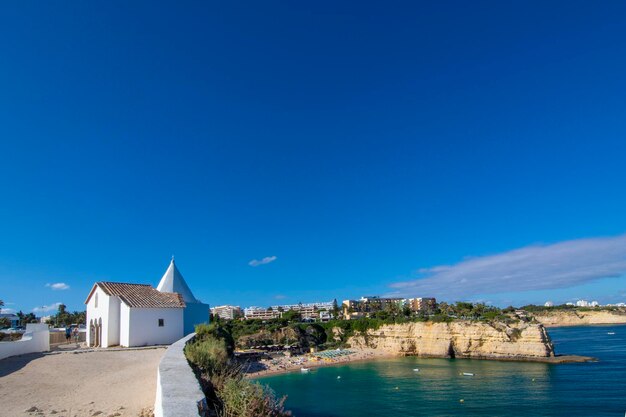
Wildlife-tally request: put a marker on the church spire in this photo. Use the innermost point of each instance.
(173, 281)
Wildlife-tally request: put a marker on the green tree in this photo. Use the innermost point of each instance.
(444, 308)
(20, 316)
(335, 309)
(292, 316)
(79, 317)
(29, 318)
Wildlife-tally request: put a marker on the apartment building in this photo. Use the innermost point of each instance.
(227, 312)
(261, 313)
(422, 304)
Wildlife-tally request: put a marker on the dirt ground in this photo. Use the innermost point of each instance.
(101, 383)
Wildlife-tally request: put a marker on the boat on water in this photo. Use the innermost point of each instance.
(416, 369)
(305, 369)
(468, 374)
(611, 333)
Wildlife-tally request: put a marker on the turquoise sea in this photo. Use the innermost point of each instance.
(391, 388)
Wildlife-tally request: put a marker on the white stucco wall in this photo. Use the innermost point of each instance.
(124, 325)
(144, 330)
(113, 327)
(35, 339)
(101, 312)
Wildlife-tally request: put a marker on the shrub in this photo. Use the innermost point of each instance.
(243, 398)
(222, 380)
(216, 331)
(209, 354)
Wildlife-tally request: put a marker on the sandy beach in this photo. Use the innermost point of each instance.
(279, 365)
(100, 383)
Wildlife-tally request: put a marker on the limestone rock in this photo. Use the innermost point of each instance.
(463, 339)
(577, 318)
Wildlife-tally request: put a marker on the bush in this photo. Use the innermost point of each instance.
(216, 331)
(209, 354)
(243, 398)
(222, 380)
(441, 318)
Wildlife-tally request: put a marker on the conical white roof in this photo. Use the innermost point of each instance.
(173, 281)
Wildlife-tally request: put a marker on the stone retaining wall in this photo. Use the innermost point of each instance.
(178, 390)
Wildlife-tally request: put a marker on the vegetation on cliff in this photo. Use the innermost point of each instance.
(289, 330)
(531, 308)
(227, 392)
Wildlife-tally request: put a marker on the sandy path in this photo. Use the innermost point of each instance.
(119, 383)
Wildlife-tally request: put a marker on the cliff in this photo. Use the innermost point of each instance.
(460, 339)
(558, 318)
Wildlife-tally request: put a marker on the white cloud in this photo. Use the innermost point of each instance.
(537, 267)
(45, 309)
(280, 297)
(263, 261)
(8, 310)
(58, 286)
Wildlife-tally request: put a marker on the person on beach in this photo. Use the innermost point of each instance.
(76, 335)
(68, 334)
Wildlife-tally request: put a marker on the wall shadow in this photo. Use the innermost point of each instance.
(15, 363)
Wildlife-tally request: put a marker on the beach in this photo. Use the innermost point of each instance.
(285, 364)
(96, 383)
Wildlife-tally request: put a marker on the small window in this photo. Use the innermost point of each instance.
(161, 322)
(96, 301)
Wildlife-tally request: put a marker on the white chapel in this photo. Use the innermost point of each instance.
(140, 315)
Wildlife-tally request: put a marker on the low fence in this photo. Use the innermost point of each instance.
(35, 339)
(178, 391)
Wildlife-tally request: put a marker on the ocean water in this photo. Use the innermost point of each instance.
(390, 387)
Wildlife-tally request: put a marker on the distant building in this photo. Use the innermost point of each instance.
(13, 319)
(227, 312)
(422, 305)
(261, 313)
(308, 311)
(368, 304)
(582, 303)
(325, 315)
(549, 304)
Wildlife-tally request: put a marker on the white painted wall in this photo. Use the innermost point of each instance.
(113, 327)
(144, 330)
(124, 325)
(101, 312)
(35, 339)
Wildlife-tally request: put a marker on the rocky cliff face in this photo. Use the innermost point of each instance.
(460, 339)
(579, 318)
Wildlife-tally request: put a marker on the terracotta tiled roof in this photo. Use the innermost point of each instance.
(142, 296)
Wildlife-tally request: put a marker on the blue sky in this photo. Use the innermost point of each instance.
(363, 145)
